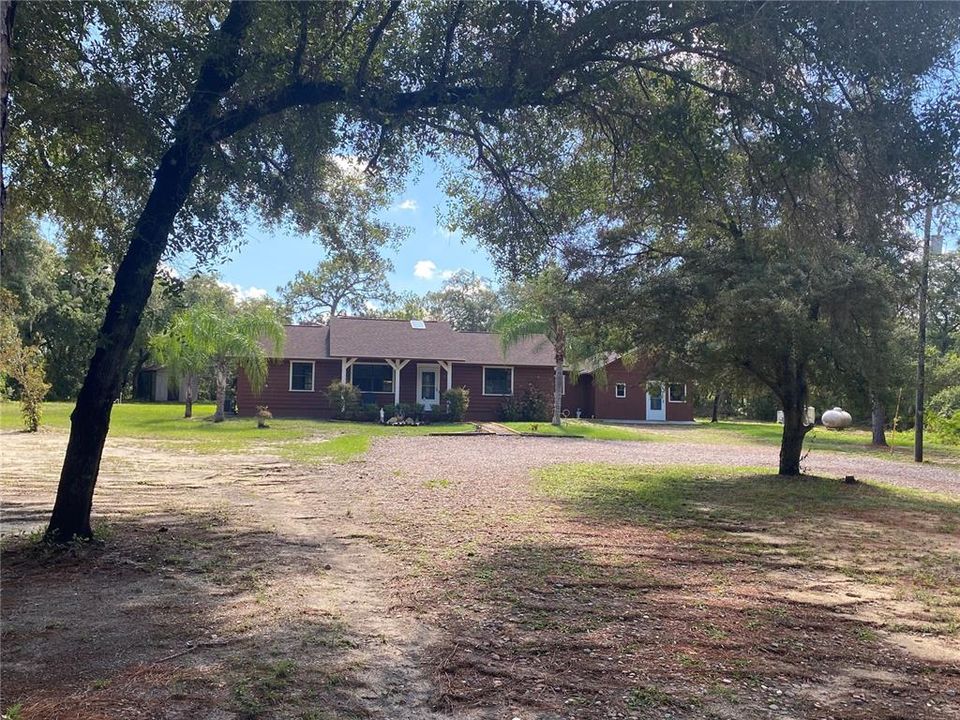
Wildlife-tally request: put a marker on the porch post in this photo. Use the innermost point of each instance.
(397, 366)
(396, 381)
(448, 366)
(345, 365)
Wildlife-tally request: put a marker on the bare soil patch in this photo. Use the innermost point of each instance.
(431, 579)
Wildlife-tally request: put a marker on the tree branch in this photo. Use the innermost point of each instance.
(372, 43)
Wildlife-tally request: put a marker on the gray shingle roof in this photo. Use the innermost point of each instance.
(306, 342)
(370, 337)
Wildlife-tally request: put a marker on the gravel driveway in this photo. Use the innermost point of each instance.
(499, 458)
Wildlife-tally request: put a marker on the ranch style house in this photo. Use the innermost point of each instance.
(414, 361)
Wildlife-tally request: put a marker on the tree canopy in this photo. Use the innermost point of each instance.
(147, 129)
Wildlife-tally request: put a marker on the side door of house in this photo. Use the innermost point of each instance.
(656, 409)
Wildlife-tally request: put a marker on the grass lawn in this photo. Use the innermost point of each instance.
(880, 534)
(591, 430)
(820, 438)
(300, 440)
(585, 590)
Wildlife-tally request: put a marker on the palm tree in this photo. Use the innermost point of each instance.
(542, 311)
(181, 358)
(207, 336)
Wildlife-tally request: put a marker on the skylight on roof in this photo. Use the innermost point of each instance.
(418, 324)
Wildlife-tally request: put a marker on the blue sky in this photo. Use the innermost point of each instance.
(270, 258)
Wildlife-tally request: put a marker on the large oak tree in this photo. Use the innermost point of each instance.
(156, 127)
(745, 218)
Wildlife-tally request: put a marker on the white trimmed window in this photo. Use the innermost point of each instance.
(620, 390)
(677, 393)
(301, 376)
(498, 380)
(372, 377)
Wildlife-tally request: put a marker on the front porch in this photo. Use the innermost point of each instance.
(386, 381)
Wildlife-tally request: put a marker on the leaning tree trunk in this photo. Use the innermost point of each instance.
(8, 9)
(878, 421)
(174, 178)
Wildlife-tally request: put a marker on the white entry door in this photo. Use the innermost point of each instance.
(428, 385)
(656, 410)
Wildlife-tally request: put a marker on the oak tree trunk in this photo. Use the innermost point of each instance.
(716, 407)
(793, 396)
(878, 421)
(173, 180)
(791, 444)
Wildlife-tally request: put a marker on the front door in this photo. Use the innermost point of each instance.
(656, 410)
(428, 385)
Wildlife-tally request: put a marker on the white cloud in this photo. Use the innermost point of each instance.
(428, 270)
(408, 204)
(425, 269)
(241, 293)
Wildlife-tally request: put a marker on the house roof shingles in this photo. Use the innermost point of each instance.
(367, 337)
(306, 342)
(376, 338)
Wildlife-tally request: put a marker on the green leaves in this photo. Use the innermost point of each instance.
(204, 335)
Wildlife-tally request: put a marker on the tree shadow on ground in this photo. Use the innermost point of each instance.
(173, 616)
(663, 595)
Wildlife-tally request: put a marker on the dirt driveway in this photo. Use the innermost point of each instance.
(432, 580)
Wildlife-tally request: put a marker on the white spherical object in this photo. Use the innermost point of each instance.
(836, 418)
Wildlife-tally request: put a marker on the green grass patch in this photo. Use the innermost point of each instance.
(340, 449)
(300, 440)
(584, 428)
(820, 438)
(725, 494)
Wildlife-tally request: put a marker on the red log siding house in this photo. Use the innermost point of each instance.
(402, 361)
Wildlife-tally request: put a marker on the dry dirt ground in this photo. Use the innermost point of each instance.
(434, 579)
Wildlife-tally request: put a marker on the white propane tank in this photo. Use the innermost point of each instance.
(836, 419)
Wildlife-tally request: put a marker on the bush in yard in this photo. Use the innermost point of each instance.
(511, 410)
(263, 414)
(947, 427)
(415, 411)
(535, 404)
(531, 405)
(946, 402)
(345, 399)
(24, 365)
(390, 411)
(456, 401)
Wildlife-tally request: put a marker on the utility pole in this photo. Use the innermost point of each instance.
(922, 337)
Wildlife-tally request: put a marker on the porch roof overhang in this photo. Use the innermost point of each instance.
(394, 356)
